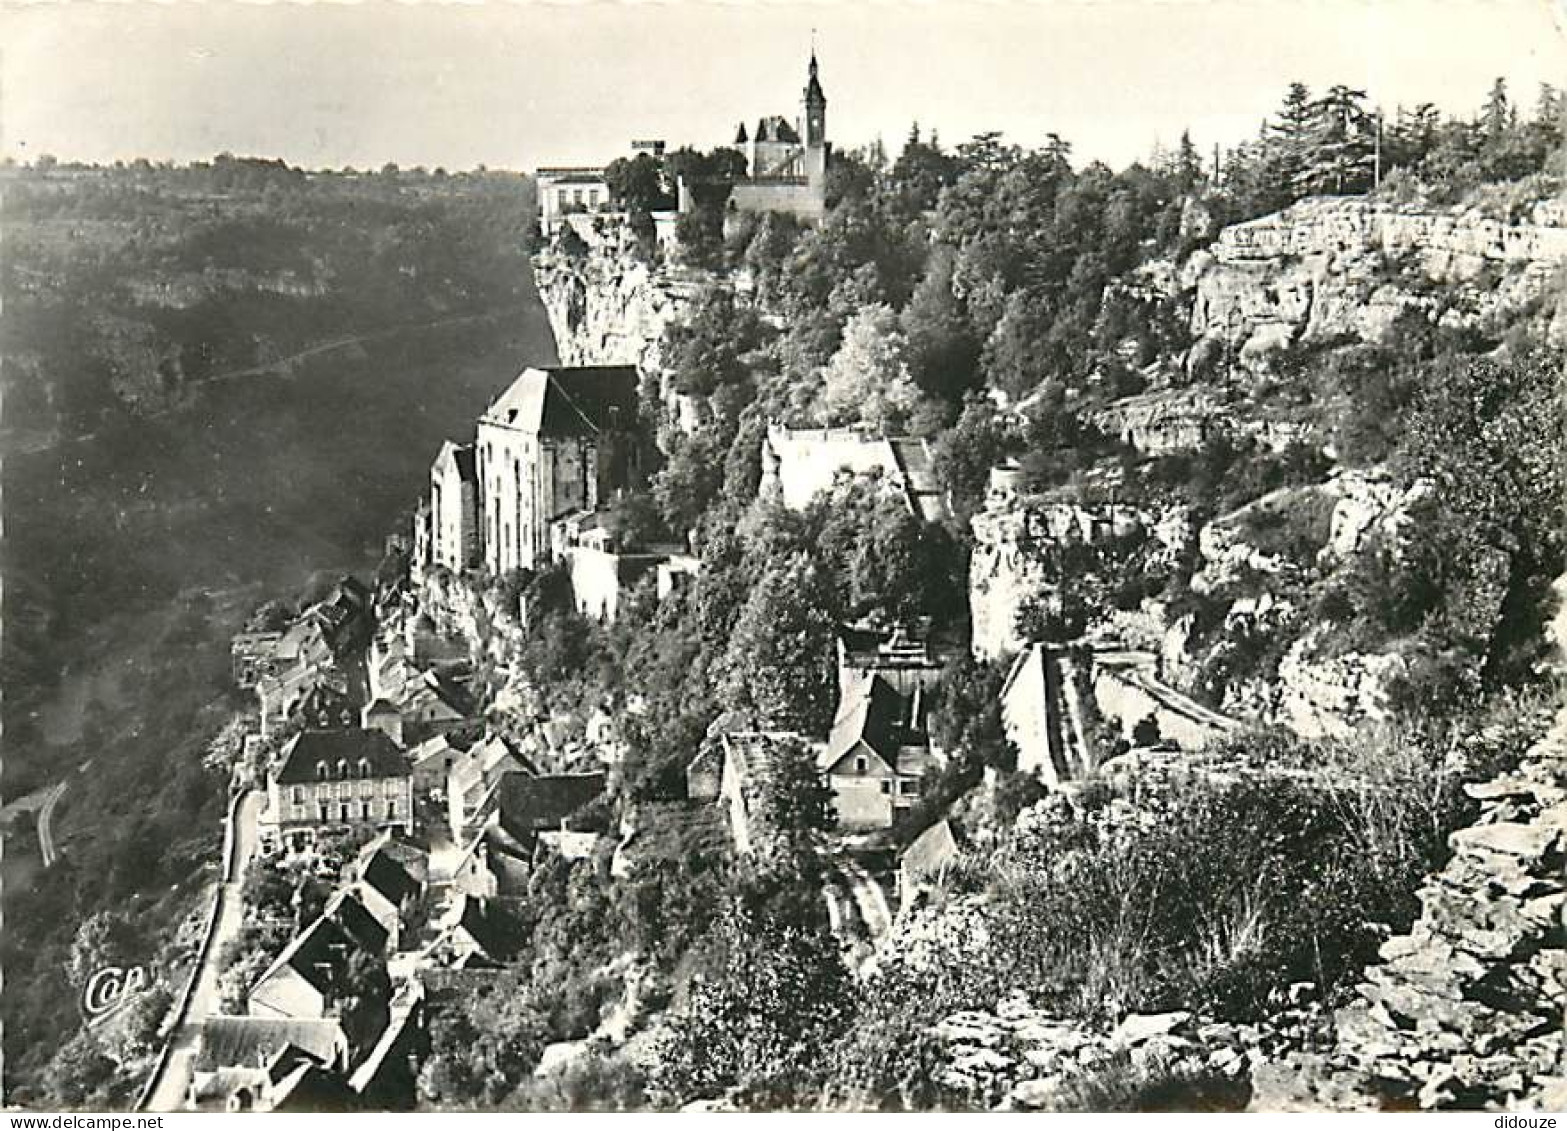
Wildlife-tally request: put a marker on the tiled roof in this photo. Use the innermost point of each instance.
(462, 456)
(316, 755)
(320, 954)
(484, 765)
(475, 920)
(310, 1088)
(530, 804)
(251, 1042)
(388, 876)
(775, 127)
(871, 712)
(931, 850)
(568, 401)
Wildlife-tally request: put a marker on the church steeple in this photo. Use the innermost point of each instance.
(815, 108)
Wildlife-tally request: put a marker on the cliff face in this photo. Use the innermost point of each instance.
(1016, 541)
(610, 308)
(1327, 267)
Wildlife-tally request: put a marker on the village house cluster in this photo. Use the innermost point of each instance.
(372, 742)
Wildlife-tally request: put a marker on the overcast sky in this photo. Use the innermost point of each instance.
(517, 85)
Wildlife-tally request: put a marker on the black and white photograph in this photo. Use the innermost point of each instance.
(731, 557)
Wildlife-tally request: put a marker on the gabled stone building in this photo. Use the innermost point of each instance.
(454, 508)
(877, 754)
(556, 441)
(337, 779)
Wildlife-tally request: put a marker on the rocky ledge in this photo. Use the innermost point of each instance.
(1019, 1058)
(1466, 1010)
(1328, 266)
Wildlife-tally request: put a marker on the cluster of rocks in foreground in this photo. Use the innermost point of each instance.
(1018, 1058)
(1465, 1011)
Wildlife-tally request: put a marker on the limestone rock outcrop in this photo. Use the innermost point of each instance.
(1015, 537)
(1465, 1011)
(610, 308)
(1333, 697)
(1019, 1058)
(1168, 420)
(1329, 266)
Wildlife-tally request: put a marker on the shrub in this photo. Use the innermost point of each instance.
(1219, 895)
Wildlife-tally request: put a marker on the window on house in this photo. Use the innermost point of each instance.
(342, 813)
(391, 806)
(364, 768)
(321, 811)
(364, 810)
(862, 764)
(886, 786)
(299, 795)
(342, 767)
(321, 770)
(908, 788)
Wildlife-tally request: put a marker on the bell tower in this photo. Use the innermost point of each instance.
(815, 127)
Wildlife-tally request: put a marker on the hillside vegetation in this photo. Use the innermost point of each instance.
(220, 382)
(999, 301)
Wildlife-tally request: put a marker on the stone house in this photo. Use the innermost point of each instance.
(309, 692)
(278, 696)
(241, 1061)
(747, 755)
(567, 190)
(389, 879)
(470, 935)
(454, 508)
(382, 715)
(251, 655)
(602, 573)
(877, 753)
(473, 873)
(326, 705)
(473, 782)
(310, 978)
(431, 704)
(347, 617)
(556, 441)
(431, 762)
(336, 779)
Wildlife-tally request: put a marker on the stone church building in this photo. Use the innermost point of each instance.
(558, 441)
(787, 160)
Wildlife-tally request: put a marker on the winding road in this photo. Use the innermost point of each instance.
(167, 1091)
(40, 803)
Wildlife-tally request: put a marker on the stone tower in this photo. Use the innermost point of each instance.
(815, 129)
